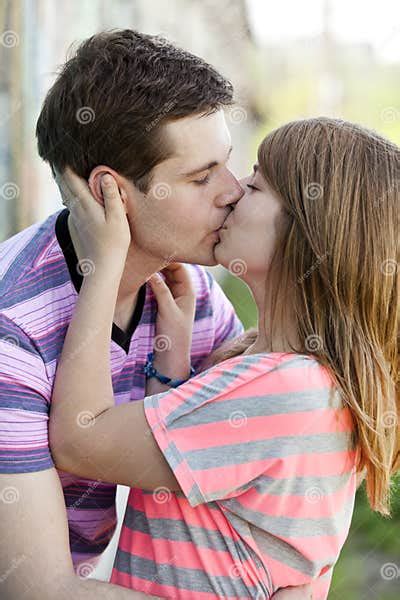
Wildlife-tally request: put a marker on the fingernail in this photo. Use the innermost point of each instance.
(106, 179)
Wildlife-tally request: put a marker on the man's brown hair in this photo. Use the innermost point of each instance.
(111, 99)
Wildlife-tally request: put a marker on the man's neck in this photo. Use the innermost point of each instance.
(138, 269)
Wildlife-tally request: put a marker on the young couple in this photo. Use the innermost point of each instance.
(244, 468)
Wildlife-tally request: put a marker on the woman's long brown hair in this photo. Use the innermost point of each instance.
(336, 267)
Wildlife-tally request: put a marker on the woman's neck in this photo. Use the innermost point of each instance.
(282, 337)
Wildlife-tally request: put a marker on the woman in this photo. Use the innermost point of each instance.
(243, 478)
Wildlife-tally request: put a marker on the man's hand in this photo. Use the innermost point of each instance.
(301, 592)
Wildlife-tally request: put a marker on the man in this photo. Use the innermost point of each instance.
(152, 115)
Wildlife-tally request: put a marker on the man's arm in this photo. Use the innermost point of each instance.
(35, 558)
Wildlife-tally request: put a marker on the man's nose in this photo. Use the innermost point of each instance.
(232, 196)
(244, 181)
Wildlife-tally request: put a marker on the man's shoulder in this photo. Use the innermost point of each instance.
(25, 251)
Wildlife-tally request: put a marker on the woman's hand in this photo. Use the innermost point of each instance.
(301, 592)
(176, 299)
(104, 231)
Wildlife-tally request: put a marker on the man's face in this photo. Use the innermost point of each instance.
(190, 195)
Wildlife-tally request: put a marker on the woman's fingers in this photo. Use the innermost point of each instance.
(301, 592)
(68, 198)
(77, 186)
(178, 277)
(161, 290)
(113, 204)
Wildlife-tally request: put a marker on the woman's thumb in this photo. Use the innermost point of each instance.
(160, 288)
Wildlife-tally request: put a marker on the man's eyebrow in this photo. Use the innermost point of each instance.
(206, 167)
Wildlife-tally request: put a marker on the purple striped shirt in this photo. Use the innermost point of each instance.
(39, 287)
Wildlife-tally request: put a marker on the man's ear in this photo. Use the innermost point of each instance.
(95, 187)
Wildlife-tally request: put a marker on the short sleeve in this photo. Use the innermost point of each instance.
(25, 393)
(209, 428)
(227, 324)
(269, 439)
(225, 427)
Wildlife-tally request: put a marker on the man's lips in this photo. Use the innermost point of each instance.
(223, 224)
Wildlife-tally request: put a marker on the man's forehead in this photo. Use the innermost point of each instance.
(198, 130)
(198, 141)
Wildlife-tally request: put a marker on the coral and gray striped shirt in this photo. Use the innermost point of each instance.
(40, 281)
(263, 449)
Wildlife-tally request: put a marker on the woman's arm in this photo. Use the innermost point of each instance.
(89, 435)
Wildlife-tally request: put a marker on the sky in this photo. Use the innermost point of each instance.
(375, 22)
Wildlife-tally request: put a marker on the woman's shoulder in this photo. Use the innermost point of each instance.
(288, 377)
(288, 364)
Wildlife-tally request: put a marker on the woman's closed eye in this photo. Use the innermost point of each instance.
(252, 187)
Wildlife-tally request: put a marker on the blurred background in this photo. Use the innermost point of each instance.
(287, 60)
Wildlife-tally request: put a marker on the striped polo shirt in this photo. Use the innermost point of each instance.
(40, 281)
(263, 449)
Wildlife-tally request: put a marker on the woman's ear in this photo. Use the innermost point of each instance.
(94, 183)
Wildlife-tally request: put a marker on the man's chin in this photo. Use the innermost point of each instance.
(203, 262)
(205, 259)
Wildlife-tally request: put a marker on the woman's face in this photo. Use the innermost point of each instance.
(249, 235)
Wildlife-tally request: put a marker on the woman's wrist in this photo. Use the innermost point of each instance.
(175, 369)
(103, 279)
(175, 365)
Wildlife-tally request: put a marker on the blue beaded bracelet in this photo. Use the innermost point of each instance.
(150, 371)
